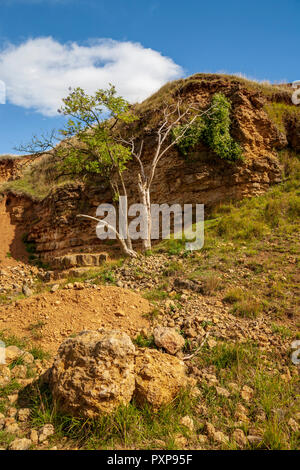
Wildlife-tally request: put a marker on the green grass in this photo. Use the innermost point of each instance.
(127, 427)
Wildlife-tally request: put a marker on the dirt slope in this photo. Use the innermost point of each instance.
(49, 318)
(11, 246)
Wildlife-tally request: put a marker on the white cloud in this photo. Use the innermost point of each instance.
(38, 72)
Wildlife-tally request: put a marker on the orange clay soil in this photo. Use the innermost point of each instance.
(49, 318)
(12, 248)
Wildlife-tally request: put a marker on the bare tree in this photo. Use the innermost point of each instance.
(173, 116)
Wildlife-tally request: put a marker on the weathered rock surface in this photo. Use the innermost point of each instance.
(200, 178)
(94, 372)
(159, 378)
(5, 375)
(169, 339)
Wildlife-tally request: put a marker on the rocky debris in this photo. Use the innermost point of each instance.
(82, 259)
(239, 437)
(5, 375)
(23, 414)
(27, 291)
(20, 444)
(94, 372)
(54, 288)
(46, 431)
(12, 353)
(216, 436)
(186, 284)
(18, 279)
(168, 339)
(187, 422)
(247, 393)
(254, 440)
(159, 378)
(222, 392)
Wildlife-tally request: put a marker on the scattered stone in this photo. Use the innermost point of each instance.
(239, 437)
(19, 372)
(34, 436)
(187, 422)
(12, 353)
(247, 393)
(120, 313)
(11, 412)
(5, 375)
(11, 428)
(214, 435)
(233, 387)
(28, 358)
(20, 444)
(13, 398)
(169, 339)
(23, 414)
(254, 440)
(202, 438)
(180, 441)
(54, 288)
(293, 425)
(46, 431)
(27, 291)
(223, 392)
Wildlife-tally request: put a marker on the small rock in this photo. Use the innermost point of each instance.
(27, 358)
(214, 435)
(12, 428)
(239, 437)
(293, 425)
(233, 387)
(54, 288)
(120, 313)
(5, 375)
(27, 291)
(19, 372)
(180, 441)
(34, 436)
(12, 353)
(11, 412)
(13, 398)
(247, 393)
(202, 438)
(223, 392)
(254, 440)
(23, 414)
(20, 444)
(46, 431)
(187, 422)
(169, 339)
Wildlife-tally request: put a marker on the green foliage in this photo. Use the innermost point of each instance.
(214, 130)
(192, 136)
(96, 148)
(143, 342)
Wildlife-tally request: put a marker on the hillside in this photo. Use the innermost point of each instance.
(262, 121)
(234, 303)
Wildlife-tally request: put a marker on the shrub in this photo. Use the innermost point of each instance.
(214, 130)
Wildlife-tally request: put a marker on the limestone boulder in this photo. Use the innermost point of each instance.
(159, 378)
(93, 373)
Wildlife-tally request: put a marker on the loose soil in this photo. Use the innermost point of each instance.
(47, 319)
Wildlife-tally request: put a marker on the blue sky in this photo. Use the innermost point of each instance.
(47, 45)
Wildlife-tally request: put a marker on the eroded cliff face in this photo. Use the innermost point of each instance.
(200, 178)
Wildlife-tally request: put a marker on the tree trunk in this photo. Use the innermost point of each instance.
(144, 192)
